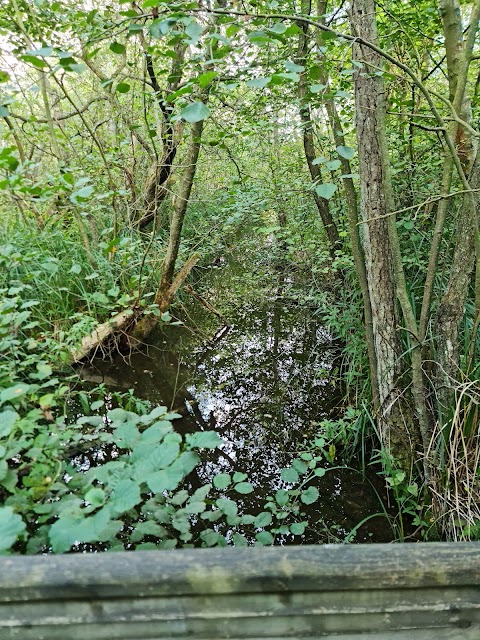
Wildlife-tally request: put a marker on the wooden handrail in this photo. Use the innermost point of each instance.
(425, 591)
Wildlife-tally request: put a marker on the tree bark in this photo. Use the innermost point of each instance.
(375, 208)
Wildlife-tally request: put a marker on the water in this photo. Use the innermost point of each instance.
(262, 378)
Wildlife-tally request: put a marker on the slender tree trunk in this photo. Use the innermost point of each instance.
(376, 207)
(334, 241)
(459, 49)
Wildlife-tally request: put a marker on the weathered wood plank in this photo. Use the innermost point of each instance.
(402, 592)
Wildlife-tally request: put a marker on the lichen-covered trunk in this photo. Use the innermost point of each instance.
(375, 207)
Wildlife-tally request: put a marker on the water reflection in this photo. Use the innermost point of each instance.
(263, 384)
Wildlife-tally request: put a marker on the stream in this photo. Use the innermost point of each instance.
(262, 378)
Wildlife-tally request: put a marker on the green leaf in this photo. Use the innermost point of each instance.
(124, 497)
(244, 487)
(227, 506)
(258, 83)
(37, 62)
(43, 52)
(316, 88)
(165, 480)
(7, 420)
(238, 476)
(332, 165)
(204, 439)
(11, 527)
(281, 497)
(122, 87)
(4, 112)
(346, 152)
(222, 480)
(96, 497)
(326, 190)
(264, 538)
(263, 519)
(298, 528)
(14, 392)
(291, 66)
(194, 31)
(117, 47)
(289, 475)
(310, 495)
(195, 112)
(205, 79)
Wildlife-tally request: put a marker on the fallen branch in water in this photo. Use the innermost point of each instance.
(206, 304)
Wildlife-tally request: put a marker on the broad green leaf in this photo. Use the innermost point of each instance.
(95, 497)
(204, 439)
(14, 392)
(326, 190)
(332, 165)
(122, 87)
(193, 31)
(126, 435)
(7, 420)
(264, 538)
(11, 527)
(298, 528)
(43, 52)
(165, 480)
(4, 112)
(124, 497)
(316, 88)
(281, 497)
(238, 476)
(195, 112)
(263, 519)
(205, 79)
(244, 487)
(227, 506)
(291, 66)
(309, 496)
(117, 47)
(258, 83)
(222, 480)
(289, 475)
(346, 152)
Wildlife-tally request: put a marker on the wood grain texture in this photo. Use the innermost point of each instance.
(381, 592)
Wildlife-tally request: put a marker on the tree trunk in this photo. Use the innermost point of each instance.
(375, 208)
(334, 241)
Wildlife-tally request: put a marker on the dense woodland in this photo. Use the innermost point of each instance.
(142, 143)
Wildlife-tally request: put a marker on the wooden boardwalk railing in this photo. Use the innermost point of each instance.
(362, 592)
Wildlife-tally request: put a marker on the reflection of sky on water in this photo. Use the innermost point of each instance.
(263, 385)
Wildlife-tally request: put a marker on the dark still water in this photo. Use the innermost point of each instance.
(262, 378)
